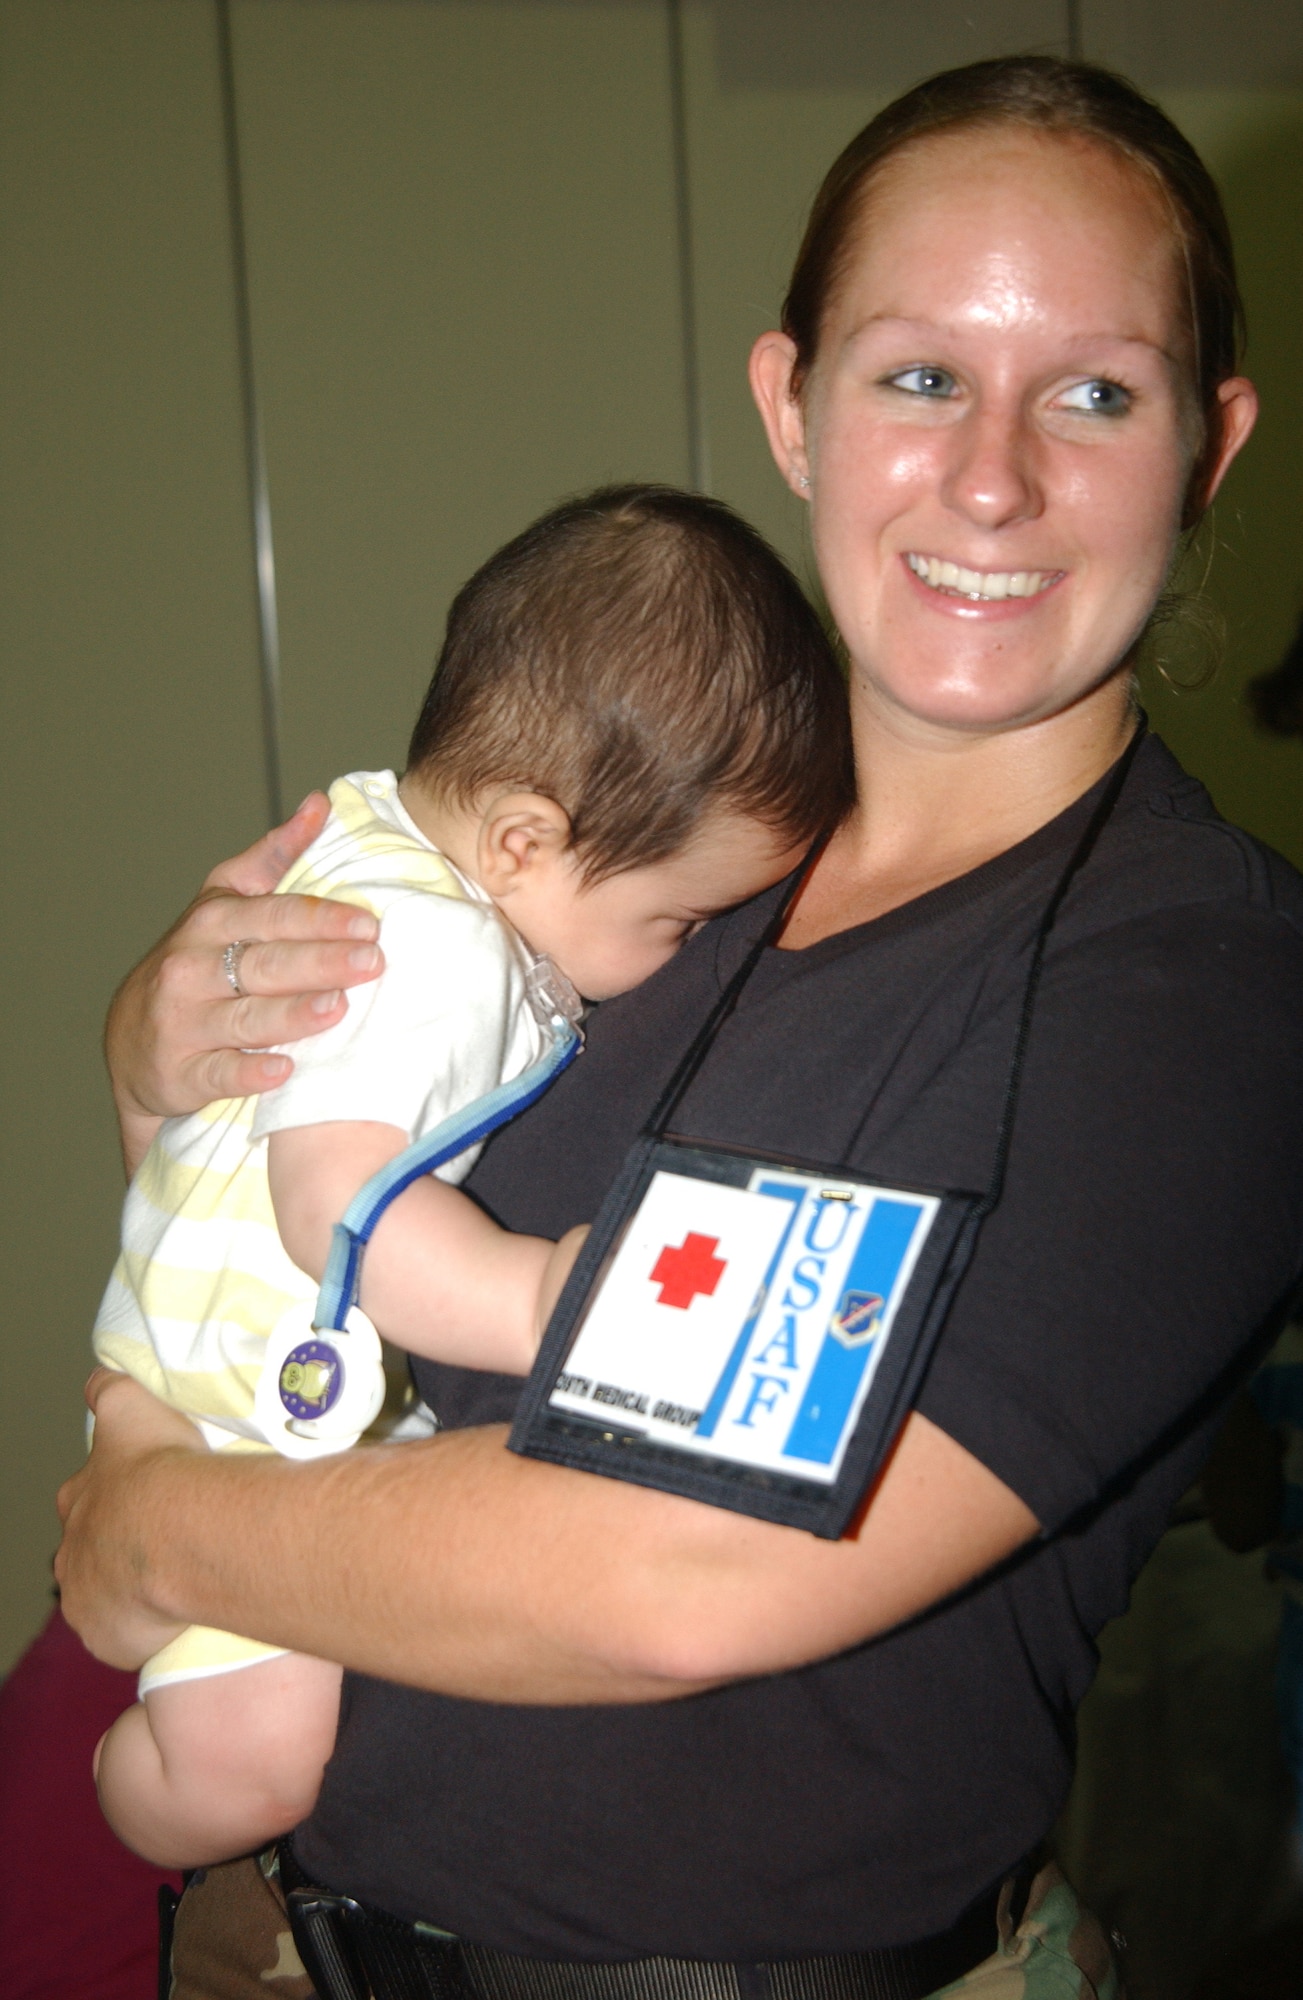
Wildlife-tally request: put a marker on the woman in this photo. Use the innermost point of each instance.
(634, 1727)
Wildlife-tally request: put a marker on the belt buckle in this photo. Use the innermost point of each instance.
(317, 1924)
(352, 1953)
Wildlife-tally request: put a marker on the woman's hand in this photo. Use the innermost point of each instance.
(101, 1569)
(179, 1036)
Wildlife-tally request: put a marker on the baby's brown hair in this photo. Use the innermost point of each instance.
(640, 655)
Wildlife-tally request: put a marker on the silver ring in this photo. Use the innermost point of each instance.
(232, 958)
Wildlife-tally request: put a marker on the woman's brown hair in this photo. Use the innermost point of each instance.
(1049, 95)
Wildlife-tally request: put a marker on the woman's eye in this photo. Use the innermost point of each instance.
(1096, 398)
(924, 381)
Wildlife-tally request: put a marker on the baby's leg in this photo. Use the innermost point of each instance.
(205, 1769)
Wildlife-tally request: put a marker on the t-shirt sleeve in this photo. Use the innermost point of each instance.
(442, 1025)
(1151, 1220)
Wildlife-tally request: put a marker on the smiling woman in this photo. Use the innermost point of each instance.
(676, 1750)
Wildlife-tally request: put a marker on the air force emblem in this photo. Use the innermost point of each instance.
(857, 1318)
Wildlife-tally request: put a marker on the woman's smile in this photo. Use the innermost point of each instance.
(980, 587)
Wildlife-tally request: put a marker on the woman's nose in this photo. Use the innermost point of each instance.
(992, 478)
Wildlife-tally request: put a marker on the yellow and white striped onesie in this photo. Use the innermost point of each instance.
(203, 1277)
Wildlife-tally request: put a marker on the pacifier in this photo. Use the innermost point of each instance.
(550, 995)
(320, 1387)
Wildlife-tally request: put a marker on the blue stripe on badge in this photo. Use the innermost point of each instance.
(710, 1416)
(837, 1373)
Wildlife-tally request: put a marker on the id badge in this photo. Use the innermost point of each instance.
(745, 1331)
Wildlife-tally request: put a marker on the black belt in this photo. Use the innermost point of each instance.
(352, 1952)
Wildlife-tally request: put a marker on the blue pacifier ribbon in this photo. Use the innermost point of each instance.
(454, 1135)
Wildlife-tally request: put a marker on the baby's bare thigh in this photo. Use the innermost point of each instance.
(278, 1714)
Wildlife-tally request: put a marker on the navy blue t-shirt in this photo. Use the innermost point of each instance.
(1151, 1227)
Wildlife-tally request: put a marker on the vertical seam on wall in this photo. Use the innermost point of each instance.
(1072, 10)
(264, 561)
(698, 456)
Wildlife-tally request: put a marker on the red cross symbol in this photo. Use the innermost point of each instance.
(690, 1269)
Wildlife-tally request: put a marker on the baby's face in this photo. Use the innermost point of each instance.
(608, 936)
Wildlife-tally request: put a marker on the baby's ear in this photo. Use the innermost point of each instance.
(520, 833)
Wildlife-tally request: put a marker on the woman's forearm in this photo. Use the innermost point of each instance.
(459, 1567)
(409, 1562)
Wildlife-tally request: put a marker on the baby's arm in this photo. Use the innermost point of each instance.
(439, 1278)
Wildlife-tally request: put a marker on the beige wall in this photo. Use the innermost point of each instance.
(131, 727)
(462, 260)
(465, 301)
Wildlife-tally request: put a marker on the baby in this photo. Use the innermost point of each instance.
(635, 723)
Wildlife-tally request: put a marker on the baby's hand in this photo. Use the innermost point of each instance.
(555, 1272)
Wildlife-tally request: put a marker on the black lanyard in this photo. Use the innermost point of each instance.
(658, 1124)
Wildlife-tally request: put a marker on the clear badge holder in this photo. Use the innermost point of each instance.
(746, 1331)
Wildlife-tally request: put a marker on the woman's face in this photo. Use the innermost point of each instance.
(999, 428)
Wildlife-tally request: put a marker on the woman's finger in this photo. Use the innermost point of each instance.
(276, 968)
(218, 917)
(257, 871)
(192, 1001)
(245, 1068)
(233, 1073)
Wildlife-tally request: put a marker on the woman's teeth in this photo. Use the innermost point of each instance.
(982, 585)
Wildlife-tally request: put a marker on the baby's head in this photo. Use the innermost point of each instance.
(636, 721)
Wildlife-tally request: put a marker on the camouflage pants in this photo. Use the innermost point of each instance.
(233, 1942)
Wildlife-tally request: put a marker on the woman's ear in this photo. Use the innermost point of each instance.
(773, 360)
(520, 834)
(1239, 413)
